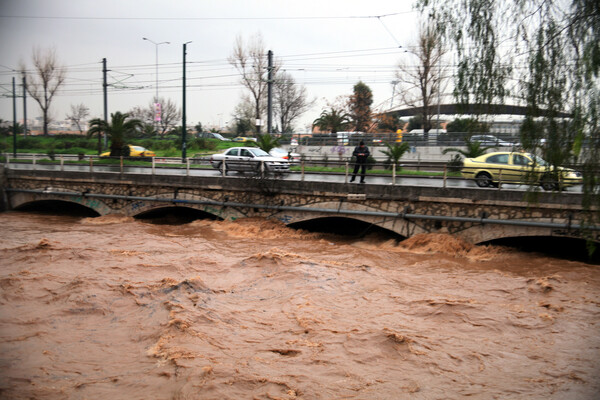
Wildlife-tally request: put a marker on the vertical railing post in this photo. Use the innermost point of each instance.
(33, 158)
(62, 163)
(500, 179)
(262, 169)
(187, 167)
(91, 164)
(121, 164)
(302, 170)
(393, 173)
(347, 168)
(224, 168)
(153, 166)
(445, 175)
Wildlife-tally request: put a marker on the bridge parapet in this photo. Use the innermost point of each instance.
(474, 214)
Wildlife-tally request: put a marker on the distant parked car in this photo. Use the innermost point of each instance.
(490, 140)
(244, 139)
(248, 159)
(135, 151)
(512, 167)
(213, 135)
(285, 154)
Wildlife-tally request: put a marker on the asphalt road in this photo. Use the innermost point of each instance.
(297, 176)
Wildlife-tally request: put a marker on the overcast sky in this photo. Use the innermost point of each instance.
(327, 45)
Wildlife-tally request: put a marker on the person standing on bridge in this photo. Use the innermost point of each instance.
(361, 154)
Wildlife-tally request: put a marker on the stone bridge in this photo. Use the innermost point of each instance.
(476, 215)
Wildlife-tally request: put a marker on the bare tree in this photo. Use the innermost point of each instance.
(45, 81)
(170, 114)
(251, 62)
(290, 100)
(422, 83)
(78, 113)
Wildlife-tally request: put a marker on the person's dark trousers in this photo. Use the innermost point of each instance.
(363, 172)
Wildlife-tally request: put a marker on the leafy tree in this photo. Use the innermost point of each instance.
(198, 127)
(243, 115)
(415, 122)
(290, 100)
(267, 142)
(118, 131)
(78, 113)
(395, 152)
(333, 120)
(389, 122)
(467, 125)
(243, 125)
(45, 81)
(558, 43)
(360, 107)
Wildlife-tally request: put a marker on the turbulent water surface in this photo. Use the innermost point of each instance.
(116, 308)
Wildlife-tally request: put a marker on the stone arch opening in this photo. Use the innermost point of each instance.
(345, 226)
(58, 207)
(569, 248)
(174, 215)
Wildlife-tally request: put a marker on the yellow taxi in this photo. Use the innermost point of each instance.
(135, 151)
(513, 167)
(243, 139)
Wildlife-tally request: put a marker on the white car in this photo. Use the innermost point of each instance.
(286, 155)
(250, 159)
(490, 140)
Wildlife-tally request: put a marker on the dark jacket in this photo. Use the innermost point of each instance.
(361, 154)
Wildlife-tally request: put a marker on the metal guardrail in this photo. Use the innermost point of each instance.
(338, 167)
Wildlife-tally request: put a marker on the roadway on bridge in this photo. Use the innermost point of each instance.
(295, 176)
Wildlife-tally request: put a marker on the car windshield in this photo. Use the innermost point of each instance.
(138, 148)
(259, 152)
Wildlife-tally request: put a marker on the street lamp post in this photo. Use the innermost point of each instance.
(157, 113)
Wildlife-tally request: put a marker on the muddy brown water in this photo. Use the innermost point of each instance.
(115, 308)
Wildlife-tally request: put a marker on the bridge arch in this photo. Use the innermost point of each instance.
(313, 211)
(22, 200)
(488, 232)
(184, 200)
(58, 206)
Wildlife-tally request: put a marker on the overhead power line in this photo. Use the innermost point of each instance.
(279, 18)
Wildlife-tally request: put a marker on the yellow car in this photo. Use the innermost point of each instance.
(510, 167)
(135, 151)
(242, 139)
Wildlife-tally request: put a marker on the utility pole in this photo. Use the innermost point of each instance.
(24, 107)
(270, 92)
(14, 119)
(183, 127)
(104, 87)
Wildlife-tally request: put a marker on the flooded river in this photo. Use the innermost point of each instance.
(117, 308)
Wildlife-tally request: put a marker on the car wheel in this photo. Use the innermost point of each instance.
(547, 182)
(483, 179)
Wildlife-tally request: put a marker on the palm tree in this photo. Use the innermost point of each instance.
(334, 121)
(267, 142)
(395, 152)
(117, 130)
